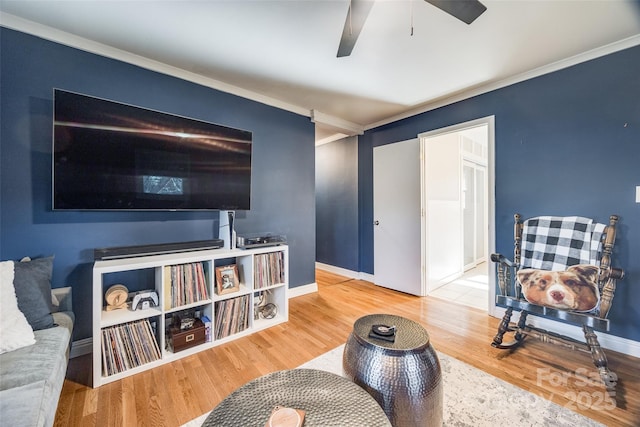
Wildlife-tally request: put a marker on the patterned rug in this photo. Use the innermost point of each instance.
(473, 398)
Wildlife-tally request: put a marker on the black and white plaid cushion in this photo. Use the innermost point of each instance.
(555, 243)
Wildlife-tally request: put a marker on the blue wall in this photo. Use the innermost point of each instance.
(567, 143)
(283, 198)
(337, 203)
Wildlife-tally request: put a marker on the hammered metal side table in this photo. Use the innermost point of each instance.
(404, 376)
(329, 400)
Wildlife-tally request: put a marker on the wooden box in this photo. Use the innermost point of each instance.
(182, 340)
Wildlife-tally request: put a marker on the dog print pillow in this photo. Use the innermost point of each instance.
(575, 289)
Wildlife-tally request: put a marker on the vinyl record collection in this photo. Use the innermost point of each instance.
(268, 270)
(185, 284)
(127, 346)
(232, 316)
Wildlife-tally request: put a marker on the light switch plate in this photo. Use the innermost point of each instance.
(637, 193)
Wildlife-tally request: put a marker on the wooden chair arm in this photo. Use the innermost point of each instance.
(501, 259)
(506, 275)
(608, 288)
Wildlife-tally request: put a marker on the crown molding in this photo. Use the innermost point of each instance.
(337, 123)
(545, 69)
(48, 33)
(68, 39)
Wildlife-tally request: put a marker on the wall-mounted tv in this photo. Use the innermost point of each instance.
(112, 156)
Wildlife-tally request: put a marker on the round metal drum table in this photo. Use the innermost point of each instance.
(403, 376)
(328, 400)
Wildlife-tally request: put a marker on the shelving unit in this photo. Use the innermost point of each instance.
(238, 311)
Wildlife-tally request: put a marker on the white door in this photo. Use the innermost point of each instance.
(397, 217)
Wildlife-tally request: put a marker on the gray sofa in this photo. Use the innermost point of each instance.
(31, 377)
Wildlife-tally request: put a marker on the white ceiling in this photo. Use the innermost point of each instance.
(283, 52)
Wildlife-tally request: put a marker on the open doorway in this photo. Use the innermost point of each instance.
(470, 289)
(458, 206)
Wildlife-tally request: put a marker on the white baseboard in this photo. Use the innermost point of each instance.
(344, 272)
(81, 347)
(303, 290)
(337, 270)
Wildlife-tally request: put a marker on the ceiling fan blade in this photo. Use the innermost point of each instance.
(356, 17)
(465, 10)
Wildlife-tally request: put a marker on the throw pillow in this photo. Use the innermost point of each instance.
(15, 331)
(32, 282)
(575, 289)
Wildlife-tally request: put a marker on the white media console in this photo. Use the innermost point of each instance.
(126, 342)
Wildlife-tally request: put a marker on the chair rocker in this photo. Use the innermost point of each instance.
(561, 270)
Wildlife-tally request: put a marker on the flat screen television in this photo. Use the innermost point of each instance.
(112, 156)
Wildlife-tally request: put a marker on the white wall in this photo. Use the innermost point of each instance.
(443, 209)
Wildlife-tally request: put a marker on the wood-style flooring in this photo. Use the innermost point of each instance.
(175, 393)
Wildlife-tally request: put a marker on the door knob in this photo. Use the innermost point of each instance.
(376, 222)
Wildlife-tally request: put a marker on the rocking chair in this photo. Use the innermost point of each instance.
(561, 270)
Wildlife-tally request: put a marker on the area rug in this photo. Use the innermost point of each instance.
(473, 398)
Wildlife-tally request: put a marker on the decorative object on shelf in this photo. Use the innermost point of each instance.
(227, 280)
(182, 339)
(259, 299)
(187, 323)
(116, 297)
(183, 320)
(262, 308)
(269, 311)
(144, 300)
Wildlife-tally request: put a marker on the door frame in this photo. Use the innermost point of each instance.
(491, 197)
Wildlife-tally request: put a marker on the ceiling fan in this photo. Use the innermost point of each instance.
(465, 10)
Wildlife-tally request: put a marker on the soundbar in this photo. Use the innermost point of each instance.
(162, 248)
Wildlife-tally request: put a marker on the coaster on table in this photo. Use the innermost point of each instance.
(383, 332)
(285, 417)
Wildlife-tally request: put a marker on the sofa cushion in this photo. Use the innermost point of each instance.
(46, 360)
(32, 281)
(15, 331)
(31, 378)
(24, 405)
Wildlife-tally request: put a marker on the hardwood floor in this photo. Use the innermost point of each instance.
(175, 393)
